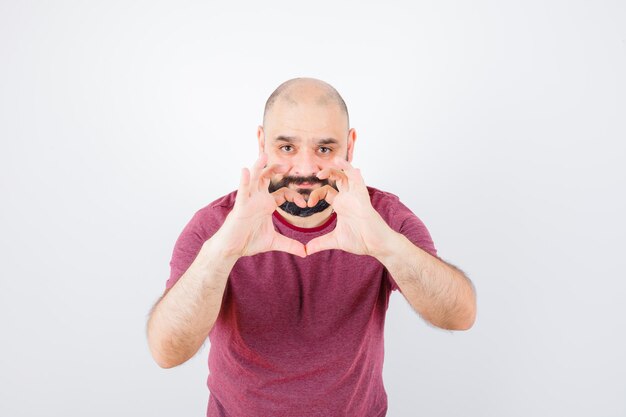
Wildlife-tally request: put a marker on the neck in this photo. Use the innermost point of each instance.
(313, 220)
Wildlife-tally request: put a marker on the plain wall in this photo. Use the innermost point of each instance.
(501, 124)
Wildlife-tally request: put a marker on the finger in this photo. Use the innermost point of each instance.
(266, 175)
(285, 194)
(342, 163)
(336, 175)
(243, 190)
(353, 174)
(332, 173)
(324, 242)
(284, 244)
(326, 192)
(257, 168)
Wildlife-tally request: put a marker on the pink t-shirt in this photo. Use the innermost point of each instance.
(299, 336)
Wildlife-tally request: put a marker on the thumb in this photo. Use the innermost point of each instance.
(324, 242)
(284, 244)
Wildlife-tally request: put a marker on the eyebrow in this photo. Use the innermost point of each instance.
(292, 139)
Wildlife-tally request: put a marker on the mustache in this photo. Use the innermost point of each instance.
(289, 179)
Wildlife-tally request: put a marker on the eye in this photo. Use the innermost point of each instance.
(286, 148)
(324, 149)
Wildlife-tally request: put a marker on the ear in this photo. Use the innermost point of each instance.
(351, 140)
(261, 138)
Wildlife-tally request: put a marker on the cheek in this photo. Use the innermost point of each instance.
(275, 156)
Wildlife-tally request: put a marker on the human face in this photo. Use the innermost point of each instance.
(306, 137)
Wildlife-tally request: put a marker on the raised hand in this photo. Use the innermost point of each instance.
(360, 229)
(248, 228)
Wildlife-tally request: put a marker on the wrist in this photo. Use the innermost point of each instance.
(386, 242)
(218, 253)
(227, 241)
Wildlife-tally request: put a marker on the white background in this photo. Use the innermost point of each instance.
(501, 124)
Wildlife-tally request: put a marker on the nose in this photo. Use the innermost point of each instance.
(305, 164)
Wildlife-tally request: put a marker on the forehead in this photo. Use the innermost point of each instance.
(305, 120)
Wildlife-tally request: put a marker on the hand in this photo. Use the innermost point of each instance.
(360, 229)
(248, 228)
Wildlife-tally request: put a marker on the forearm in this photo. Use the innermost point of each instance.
(183, 318)
(439, 292)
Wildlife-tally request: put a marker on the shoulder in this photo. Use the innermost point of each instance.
(386, 203)
(211, 216)
(402, 219)
(225, 202)
(392, 209)
(381, 197)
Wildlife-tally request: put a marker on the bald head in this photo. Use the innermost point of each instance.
(305, 90)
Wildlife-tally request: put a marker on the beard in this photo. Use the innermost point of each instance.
(293, 208)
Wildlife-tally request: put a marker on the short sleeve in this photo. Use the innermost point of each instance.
(202, 226)
(186, 249)
(406, 222)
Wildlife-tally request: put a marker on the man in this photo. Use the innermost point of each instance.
(290, 275)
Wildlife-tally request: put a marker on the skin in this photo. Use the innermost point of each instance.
(306, 119)
(182, 318)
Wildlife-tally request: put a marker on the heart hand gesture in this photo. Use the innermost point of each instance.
(360, 229)
(248, 228)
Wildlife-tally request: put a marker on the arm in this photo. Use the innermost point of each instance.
(438, 291)
(181, 320)
(183, 317)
